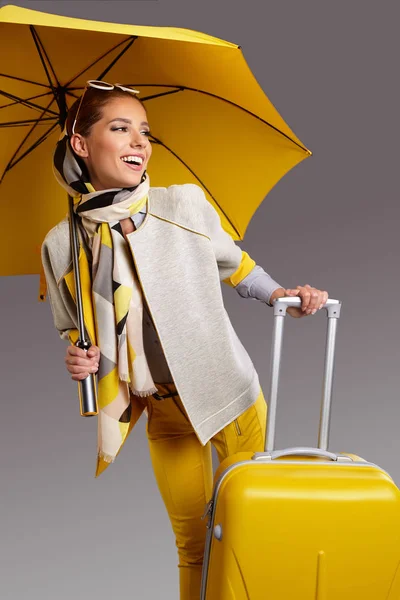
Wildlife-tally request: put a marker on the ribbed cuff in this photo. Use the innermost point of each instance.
(258, 285)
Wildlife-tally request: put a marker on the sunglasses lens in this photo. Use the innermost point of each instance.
(126, 89)
(100, 85)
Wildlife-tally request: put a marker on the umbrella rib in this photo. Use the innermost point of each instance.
(184, 87)
(68, 85)
(69, 93)
(252, 115)
(26, 122)
(40, 48)
(24, 80)
(23, 142)
(30, 98)
(35, 145)
(158, 141)
(27, 102)
(58, 90)
(116, 59)
(162, 94)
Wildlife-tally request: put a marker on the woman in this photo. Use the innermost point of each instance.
(163, 342)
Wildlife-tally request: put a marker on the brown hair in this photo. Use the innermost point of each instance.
(91, 110)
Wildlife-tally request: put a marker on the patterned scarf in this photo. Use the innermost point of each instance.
(116, 295)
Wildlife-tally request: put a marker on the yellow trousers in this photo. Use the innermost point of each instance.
(183, 471)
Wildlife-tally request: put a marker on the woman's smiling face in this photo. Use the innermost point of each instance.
(121, 135)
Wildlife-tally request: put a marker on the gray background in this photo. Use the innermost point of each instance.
(331, 69)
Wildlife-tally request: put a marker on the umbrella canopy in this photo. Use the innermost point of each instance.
(211, 123)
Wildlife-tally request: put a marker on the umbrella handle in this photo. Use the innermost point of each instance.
(87, 389)
(87, 394)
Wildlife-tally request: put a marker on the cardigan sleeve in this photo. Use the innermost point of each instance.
(237, 269)
(227, 254)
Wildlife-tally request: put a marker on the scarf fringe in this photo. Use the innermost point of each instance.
(144, 393)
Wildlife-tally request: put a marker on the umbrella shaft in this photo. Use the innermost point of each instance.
(83, 343)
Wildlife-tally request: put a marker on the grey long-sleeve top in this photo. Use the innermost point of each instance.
(257, 284)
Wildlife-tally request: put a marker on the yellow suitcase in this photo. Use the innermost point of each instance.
(302, 523)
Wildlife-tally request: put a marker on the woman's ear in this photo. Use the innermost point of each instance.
(79, 145)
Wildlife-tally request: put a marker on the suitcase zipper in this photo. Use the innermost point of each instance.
(208, 511)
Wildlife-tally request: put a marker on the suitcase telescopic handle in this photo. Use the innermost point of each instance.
(280, 307)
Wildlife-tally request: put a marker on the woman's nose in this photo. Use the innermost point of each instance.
(139, 140)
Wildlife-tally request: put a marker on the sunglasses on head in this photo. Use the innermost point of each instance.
(100, 85)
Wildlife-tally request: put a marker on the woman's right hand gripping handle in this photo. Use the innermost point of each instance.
(80, 363)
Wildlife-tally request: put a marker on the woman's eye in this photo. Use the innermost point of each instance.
(124, 129)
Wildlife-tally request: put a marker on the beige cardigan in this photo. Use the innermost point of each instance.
(182, 254)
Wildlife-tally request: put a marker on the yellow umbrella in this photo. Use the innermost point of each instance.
(211, 122)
